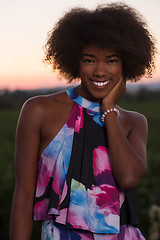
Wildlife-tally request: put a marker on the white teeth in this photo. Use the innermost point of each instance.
(100, 84)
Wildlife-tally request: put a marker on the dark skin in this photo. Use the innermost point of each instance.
(42, 118)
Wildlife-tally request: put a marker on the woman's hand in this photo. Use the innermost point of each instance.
(115, 94)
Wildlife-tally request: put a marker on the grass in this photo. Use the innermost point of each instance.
(8, 120)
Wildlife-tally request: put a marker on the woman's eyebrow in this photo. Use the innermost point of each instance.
(113, 55)
(93, 56)
(88, 55)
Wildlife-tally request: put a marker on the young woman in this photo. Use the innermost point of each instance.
(79, 156)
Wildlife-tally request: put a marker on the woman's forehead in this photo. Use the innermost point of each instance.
(94, 49)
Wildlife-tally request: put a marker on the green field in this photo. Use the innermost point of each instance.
(8, 119)
(148, 191)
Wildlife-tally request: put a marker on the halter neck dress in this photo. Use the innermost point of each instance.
(76, 195)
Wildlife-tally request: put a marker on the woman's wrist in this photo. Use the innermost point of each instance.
(106, 106)
(109, 111)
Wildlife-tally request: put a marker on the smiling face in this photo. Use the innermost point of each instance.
(100, 70)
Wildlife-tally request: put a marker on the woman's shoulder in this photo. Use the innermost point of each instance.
(133, 120)
(43, 103)
(42, 107)
(132, 116)
(49, 99)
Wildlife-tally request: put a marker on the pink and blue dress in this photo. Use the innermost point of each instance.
(76, 195)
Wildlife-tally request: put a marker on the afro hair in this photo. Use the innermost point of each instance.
(116, 26)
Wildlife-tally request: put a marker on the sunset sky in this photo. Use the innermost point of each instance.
(24, 27)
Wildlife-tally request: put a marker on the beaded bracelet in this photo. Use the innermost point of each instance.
(109, 111)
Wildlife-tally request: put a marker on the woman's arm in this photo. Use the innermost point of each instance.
(26, 155)
(128, 153)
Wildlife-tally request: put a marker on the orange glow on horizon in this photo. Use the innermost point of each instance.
(48, 80)
(35, 75)
(20, 83)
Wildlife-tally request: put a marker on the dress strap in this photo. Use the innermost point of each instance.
(93, 106)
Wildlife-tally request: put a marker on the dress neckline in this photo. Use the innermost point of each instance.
(93, 106)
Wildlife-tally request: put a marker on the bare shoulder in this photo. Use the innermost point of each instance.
(133, 117)
(43, 102)
(42, 117)
(43, 105)
(133, 121)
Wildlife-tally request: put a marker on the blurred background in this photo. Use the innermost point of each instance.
(23, 27)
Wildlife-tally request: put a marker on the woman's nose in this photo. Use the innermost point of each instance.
(99, 70)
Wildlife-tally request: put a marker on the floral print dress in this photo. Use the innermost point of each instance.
(76, 195)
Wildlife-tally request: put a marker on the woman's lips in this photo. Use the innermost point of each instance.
(100, 83)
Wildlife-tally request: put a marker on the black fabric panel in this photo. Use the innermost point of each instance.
(129, 210)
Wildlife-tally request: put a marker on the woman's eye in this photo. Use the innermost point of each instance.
(112, 61)
(88, 61)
